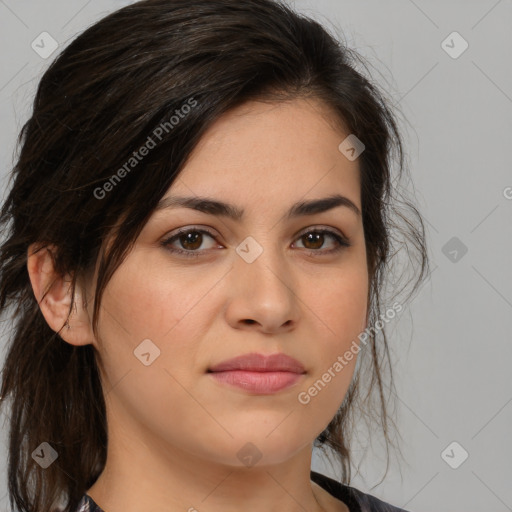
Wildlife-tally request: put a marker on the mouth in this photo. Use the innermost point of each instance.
(260, 382)
(259, 373)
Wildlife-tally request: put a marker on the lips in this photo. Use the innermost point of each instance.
(260, 363)
(259, 374)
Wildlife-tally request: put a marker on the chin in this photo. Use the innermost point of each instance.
(258, 449)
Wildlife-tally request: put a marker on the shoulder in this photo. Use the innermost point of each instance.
(369, 503)
(356, 500)
(87, 504)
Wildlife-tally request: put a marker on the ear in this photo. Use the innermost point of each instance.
(54, 296)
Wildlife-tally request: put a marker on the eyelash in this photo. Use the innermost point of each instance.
(342, 242)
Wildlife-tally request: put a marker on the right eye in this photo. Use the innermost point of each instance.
(190, 240)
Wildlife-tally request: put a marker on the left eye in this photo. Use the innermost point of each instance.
(317, 237)
(192, 239)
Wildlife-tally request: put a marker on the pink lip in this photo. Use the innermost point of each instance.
(259, 373)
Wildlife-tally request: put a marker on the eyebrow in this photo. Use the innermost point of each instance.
(219, 208)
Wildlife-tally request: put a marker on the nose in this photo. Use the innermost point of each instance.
(263, 294)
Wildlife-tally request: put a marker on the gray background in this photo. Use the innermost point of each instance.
(452, 346)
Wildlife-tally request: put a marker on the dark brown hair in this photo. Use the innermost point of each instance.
(98, 102)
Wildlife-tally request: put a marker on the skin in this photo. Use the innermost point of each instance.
(174, 432)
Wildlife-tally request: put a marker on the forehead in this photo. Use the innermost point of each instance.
(270, 152)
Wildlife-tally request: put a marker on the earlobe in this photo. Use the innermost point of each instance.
(53, 293)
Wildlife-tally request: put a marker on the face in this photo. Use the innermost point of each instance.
(267, 282)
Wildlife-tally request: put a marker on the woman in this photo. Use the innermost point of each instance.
(196, 238)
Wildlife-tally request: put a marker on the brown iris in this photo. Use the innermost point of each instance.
(315, 238)
(193, 240)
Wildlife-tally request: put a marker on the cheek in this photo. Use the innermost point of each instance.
(340, 305)
(150, 316)
(145, 300)
(340, 308)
